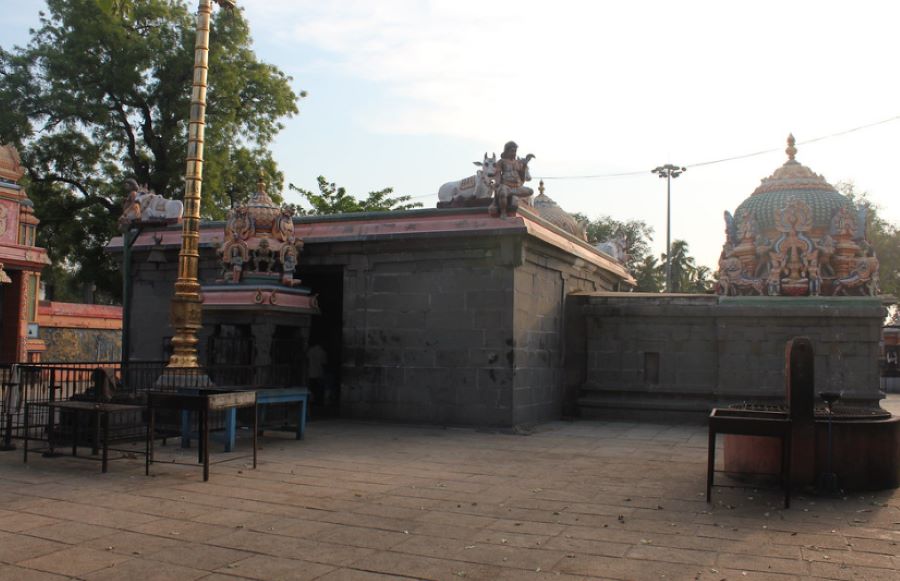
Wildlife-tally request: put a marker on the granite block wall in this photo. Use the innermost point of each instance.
(428, 339)
(694, 352)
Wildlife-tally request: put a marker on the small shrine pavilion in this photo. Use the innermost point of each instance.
(21, 262)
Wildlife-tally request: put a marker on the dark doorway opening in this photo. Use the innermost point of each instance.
(325, 333)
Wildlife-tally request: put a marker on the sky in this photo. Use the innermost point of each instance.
(408, 93)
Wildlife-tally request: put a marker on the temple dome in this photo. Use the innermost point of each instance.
(261, 208)
(793, 180)
(550, 211)
(796, 235)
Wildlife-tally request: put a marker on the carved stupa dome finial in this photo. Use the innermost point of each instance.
(541, 187)
(791, 150)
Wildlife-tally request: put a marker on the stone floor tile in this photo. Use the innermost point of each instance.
(16, 522)
(267, 568)
(145, 570)
(363, 537)
(132, 544)
(181, 530)
(419, 567)
(355, 575)
(198, 556)
(71, 533)
(76, 561)
(763, 564)
(14, 573)
(649, 552)
(16, 548)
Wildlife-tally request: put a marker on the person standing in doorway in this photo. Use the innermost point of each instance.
(317, 359)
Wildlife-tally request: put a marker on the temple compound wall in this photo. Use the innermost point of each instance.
(694, 352)
(441, 316)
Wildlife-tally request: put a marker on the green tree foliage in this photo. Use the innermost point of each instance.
(687, 276)
(638, 236)
(332, 199)
(883, 236)
(102, 93)
(650, 278)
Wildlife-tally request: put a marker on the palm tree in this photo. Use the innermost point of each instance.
(683, 266)
(649, 275)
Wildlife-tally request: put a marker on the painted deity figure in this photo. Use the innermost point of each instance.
(811, 270)
(776, 268)
(289, 256)
(826, 248)
(263, 255)
(513, 173)
(746, 229)
(240, 222)
(843, 223)
(283, 228)
(234, 255)
(131, 207)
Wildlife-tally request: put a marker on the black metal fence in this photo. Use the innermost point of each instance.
(35, 383)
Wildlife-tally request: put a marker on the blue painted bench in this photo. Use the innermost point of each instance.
(263, 397)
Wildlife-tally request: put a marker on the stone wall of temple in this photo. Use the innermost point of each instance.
(693, 352)
(446, 317)
(428, 333)
(464, 331)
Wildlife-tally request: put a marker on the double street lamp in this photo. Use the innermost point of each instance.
(668, 172)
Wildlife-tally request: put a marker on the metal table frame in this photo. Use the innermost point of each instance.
(202, 401)
(102, 412)
(739, 422)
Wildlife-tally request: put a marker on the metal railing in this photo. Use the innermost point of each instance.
(34, 383)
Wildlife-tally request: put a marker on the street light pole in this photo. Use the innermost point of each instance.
(186, 304)
(669, 172)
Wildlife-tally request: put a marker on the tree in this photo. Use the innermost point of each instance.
(650, 278)
(102, 92)
(332, 199)
(687, 277)
(883, 236)
(638, 236)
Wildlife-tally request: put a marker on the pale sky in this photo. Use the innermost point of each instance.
(408, 93)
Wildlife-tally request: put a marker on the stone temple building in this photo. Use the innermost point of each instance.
(452, 315)
(447, 316)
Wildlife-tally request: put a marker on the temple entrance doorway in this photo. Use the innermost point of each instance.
(325, 339)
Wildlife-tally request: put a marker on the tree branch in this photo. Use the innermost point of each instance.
(87, 197)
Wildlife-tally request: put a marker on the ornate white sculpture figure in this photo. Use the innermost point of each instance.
(474, 187)
(615, 247)
(143, 205)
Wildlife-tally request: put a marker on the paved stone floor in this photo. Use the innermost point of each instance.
(366, 501)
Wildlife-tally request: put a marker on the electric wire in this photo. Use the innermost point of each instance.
(709, 162)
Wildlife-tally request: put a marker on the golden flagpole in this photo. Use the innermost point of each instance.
(186, 304)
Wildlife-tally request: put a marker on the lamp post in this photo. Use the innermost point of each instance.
(669, 172)
(186, 304)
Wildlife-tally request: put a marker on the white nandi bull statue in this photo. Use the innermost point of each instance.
(615, 247)
(476, 187)
(142, 205)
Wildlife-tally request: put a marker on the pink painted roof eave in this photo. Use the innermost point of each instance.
(406, 224)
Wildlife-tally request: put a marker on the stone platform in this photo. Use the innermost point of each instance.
(365, 501)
